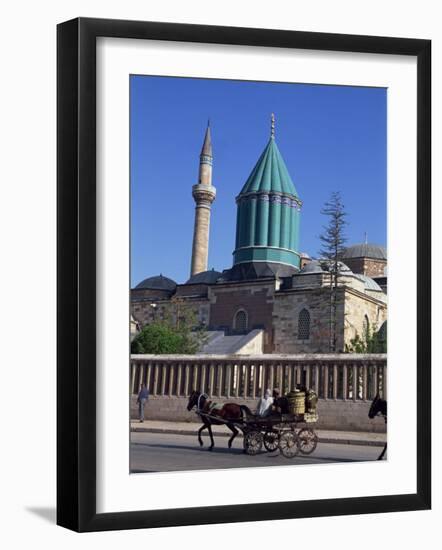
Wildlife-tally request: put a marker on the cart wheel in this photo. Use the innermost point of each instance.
(271, 442)
(308, 441)
(289, 444)
(253, 442)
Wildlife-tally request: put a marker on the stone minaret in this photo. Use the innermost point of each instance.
(204, 194)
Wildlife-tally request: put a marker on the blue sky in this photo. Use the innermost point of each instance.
(332, 138)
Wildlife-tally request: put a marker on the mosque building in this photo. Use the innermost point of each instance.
(273, 299)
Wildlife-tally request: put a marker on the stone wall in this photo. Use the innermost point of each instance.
(144, 313)
(357, 307)
(333, 414)
(366, 266)
(316, 301)
(352, 308)
(255, 299)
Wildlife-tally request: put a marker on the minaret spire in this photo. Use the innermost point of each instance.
(204, 194)
(272, 126)
(207, 145)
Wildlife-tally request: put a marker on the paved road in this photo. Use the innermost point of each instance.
(152, 452)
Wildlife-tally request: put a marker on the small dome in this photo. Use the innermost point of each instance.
(320, 266)
(365, 250)
(369, 283)
(204, 278)
(312, 267)
(304, 255)
(158, 282)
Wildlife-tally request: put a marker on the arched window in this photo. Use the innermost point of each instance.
(240, 321)
(304, 325)
(366, 326)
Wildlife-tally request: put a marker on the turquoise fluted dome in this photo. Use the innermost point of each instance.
(270, 174)
(268, 213)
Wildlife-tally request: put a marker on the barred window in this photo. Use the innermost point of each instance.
(240, 321)
(304, 325)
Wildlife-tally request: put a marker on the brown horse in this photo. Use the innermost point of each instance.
(379, 407)
(228, 414)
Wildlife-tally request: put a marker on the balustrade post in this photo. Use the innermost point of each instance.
(178, 379)
(344, 382)
(308, 375)
(288, 371)
(203, 378)
(335, 381)
(132, 377)
(271, 378)
(218, 380)
(155, 379)
(238, 380)
(228, 379)
(374, 381)
(355, 382)
(316, 384)
(211, 377)
(253, 374)
(171, 378)
(325, 381)
(195, 377)
(164, 369)
(246, 380)
(364, 381)
(186, 379)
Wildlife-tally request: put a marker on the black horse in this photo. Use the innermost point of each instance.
(379, 407)
(227, 414)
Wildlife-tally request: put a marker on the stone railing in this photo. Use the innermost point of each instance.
(356, 377)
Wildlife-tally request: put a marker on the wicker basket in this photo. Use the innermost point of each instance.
(296, 400)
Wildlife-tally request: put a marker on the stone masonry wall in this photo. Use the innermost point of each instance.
(366, 266)
(352, 308)
(145, 314)
(316, 301)
(333, 415)
(256, 300)
(356, 308)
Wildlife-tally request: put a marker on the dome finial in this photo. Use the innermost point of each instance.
(272, 126)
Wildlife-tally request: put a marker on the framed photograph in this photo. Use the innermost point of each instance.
(241, 214)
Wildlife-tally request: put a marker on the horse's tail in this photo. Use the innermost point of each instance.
(245, 411)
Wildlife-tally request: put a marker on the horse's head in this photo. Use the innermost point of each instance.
(193, 400)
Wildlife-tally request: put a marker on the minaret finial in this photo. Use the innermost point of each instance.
(366, 237)
(272, 126)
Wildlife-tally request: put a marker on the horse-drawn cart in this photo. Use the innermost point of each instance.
(290, 433)
(289, 429)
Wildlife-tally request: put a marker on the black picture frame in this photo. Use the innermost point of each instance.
(76, 274)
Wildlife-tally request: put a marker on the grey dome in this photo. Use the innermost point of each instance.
(369, 283)
(320, 266)
(204, 278)
(158, 282)
(365, 250)
(312, 267)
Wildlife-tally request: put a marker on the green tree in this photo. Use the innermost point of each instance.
(372, 341)
(176, 332)
(333, 240)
